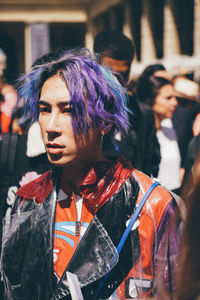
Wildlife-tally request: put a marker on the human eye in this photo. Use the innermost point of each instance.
(43, 108)
(67, 108)
(169, 98)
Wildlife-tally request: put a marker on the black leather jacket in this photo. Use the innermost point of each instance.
(27, 255)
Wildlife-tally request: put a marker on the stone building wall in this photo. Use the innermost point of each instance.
(159, 29)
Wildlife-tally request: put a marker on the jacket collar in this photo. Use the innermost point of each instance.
(102, 181)
(37, 189)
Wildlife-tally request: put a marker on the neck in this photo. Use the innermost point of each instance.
(75, 174)
(157, 121)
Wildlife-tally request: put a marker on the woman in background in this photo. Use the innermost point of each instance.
(158, 93)
(188, 278)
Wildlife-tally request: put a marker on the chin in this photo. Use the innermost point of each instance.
(58, 160)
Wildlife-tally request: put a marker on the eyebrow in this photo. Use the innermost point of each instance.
(43, 102)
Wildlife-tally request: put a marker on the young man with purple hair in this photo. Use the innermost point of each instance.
(72, 219)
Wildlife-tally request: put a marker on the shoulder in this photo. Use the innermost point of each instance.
(158, 201)
(144, 182)
(38, 189)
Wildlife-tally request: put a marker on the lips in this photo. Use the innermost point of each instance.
(54, 148)
(172, 110)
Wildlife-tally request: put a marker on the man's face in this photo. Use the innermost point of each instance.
(55, 121)
(120, 66)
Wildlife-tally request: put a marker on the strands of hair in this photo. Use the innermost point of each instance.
(96, 96)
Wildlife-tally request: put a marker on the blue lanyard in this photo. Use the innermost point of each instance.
(126, 232)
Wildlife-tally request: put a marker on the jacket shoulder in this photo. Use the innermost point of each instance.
(38, 189)
(158, 201)
(144, 182)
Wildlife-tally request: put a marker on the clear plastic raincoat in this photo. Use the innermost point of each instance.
(112, 193)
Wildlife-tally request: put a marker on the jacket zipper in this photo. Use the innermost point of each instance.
(78, 224)
(77, 230)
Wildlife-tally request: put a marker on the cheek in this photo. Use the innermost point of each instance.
(67, 129)
(42, 123)
(159, 106)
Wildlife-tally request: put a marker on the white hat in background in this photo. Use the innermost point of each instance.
(186, 88)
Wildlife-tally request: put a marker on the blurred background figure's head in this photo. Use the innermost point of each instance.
(17, 125)
(153, 70)
(159, 94)
(3, 59)
(157, 70)
(117, 52)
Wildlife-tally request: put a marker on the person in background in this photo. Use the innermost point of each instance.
(8, 97)
(15, 125)
(188, 274)
(72, 218)
(192, 154)
(158, 92)
(140, 146)
(22, 158)
(187, 92)
(182, 118)
(157, 70)
(185, 114)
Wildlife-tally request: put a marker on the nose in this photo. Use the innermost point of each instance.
(174, 101)
(53, 128)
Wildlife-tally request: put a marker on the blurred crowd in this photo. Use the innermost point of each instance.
(163, 139)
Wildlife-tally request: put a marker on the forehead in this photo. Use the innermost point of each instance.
(166, 89)
(55, 89)
(162, 73)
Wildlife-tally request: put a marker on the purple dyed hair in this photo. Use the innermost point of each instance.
(85, 79)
